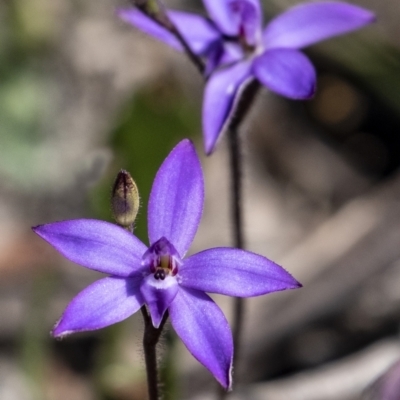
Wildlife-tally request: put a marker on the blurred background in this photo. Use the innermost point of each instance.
(83, 95)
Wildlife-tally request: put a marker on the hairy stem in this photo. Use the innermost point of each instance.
(151, 337)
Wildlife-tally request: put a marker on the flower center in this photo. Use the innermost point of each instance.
(162, 259)
(246, 16)
(165, 267)
(246, 47)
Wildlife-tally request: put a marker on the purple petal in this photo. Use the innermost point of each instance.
(96, 244)
(234, 272)
(177, 197)
(204, 330)
(233, 52)
(158, 295)
(142, 22)
(103, 303)
(236, 17)
(221, 14)
(222, 53)
(287, 72)
(310, 23)
(247, 16)
(214, 55)
(222, 92)
(198, 31)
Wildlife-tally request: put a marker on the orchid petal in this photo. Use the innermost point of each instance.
(235, 17)
(145, 24)
(222, 92)
(95, 244)
(214, 56)
(202, 326)
(233, 52)
(177, 197)
(234, 272)
(158, 295)
(220, 54)
(197, 30)
(221, 14)
(310, 23)
(103, 303)
(247, 16)
(287, 72)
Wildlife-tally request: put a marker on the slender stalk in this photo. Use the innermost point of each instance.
(235, 163)
(151, 337)
(236, 188)
(236, 211)
(235, 167)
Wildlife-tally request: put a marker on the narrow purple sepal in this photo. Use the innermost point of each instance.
(221, 93)
(287, 72)
(197, 30)
(220, 12)
(103, 303)
(310, 23)
(158, 295)
(177, 197)
(234, 272)
(236, 17)
(214, 57)
(233, 53)
(204, 330)
(95, 244)
(248, 18)
(220, 53)
(145, 24)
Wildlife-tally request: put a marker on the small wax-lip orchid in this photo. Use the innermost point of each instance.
(237, 49)
(159, 276)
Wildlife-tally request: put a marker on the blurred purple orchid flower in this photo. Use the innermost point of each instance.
(233, 37)
(158, 276)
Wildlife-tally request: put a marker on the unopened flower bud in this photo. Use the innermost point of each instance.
(125, 199)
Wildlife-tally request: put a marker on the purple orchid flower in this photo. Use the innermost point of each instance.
(233, 37)
(159, 276)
